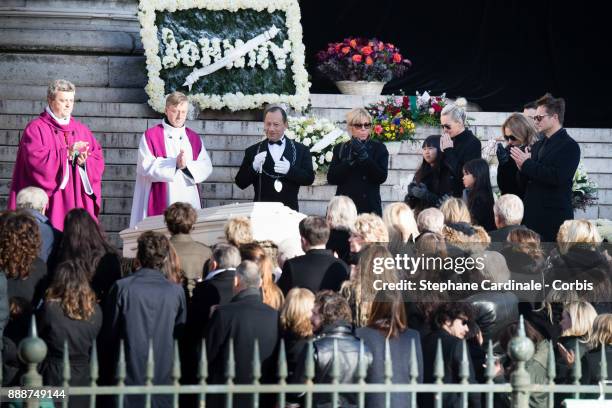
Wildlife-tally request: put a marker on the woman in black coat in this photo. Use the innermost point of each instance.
(341, 215)
(478, 193)
(518, 132)
(360, 166)
(432, 181)
(83, 239)
(71, 315)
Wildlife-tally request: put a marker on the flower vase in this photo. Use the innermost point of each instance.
(360, 87)
(393, 147)
(320, 179)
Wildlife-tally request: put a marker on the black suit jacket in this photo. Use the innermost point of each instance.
(317, 270)
(300, 173)
(360, 181)
(501, 234)
(466, 147)
(206, 294)
(548, 197)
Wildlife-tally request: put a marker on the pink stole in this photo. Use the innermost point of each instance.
(158, 196)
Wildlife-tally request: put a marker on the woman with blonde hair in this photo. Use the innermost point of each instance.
(272, 295)
(400, 223)
(455, 210)
(518, 131)
(238, 231)
(295, 323)
(576, 324)
(360, 166)
(341, 216)
(368, 228)
(577, 232)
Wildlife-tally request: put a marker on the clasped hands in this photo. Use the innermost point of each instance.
(80, 150)
(181, 160)
(281, 167)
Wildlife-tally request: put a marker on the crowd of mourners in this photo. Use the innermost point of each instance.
(83, 293)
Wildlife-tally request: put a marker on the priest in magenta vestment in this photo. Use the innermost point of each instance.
(172, 161)
(61, 156)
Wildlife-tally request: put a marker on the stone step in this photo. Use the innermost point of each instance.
(84, 93)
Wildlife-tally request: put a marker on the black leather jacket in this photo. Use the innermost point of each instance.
(494, 311)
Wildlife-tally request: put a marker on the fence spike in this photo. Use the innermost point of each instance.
(150, 365)
(203, 368)
(414, 364)
(439, 364)
(283, 371)
(464, 369)
(230, 370)
(33, 328)
(362, 368)
(603, 364)
(490, 372)
(93, 365)
(256, 363)
(66, 370)
(309, 368)
(32, 351)
(121, 367)
(176, 366)
(551, 364)
(577, 365)
(335, 371)
(388, 364)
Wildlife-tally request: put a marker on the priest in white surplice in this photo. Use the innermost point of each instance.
(172, 161)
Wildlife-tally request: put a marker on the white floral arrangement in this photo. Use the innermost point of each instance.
(584, 190)
(208, 51)
(318, 134)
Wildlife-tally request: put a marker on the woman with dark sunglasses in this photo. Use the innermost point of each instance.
(518, 131)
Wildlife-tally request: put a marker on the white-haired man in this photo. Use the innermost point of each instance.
(508, 212)
(172, 161)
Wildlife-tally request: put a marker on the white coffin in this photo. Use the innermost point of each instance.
(270, 221)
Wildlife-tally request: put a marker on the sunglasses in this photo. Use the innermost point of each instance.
(447, 127)
(510, 137)
(464, 322)
(538, 118)
(362, 125)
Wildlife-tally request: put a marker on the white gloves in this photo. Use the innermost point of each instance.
(258, 161)
(282, 166)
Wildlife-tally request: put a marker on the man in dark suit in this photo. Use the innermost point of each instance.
(318, 269)
(277, 166)
(549, 170)
(244, 320)
(508, 214)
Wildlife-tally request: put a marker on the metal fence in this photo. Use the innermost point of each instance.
(32, 351)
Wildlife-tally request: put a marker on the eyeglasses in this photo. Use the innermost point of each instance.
(510, 137)
(447, 127)
(464, 322)
(362, 125)
(538, 118)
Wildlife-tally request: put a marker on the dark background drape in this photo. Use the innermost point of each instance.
(497, 54)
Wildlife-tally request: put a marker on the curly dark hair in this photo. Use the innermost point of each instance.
(84, 239)
(333, 307)
(153, 250)
(19, 243)
(451, 311)
(180, 217)
(71, 288)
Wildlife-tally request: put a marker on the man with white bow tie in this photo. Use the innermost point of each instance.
(277, 166)
(172, 161)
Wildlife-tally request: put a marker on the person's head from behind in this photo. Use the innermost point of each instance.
(530, 110)
(452, 118)
(153, 250)
(82, 236)
(368, 228)
(455, 210)
(238, 231)
(32, 198)
(296, 313)
(60, 97)
(518, 130)
(330, 308)
(180, 218)
(526, 241)
(288, 248)
(224, 256)
(275, 122)
(574, 232)
(476, 176)
(388, 314)
(550, 114)
(314, 232)
(177, 107)
(432, 244)
(430, 220)
(453, 318)
(341, 213)
(246, 277)
(508, 210)
(400, 223)
(430, 150)
(172, 269)
(20, 242)
(359, 122)
(601, 333)
(577, 319)
(70, 287)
